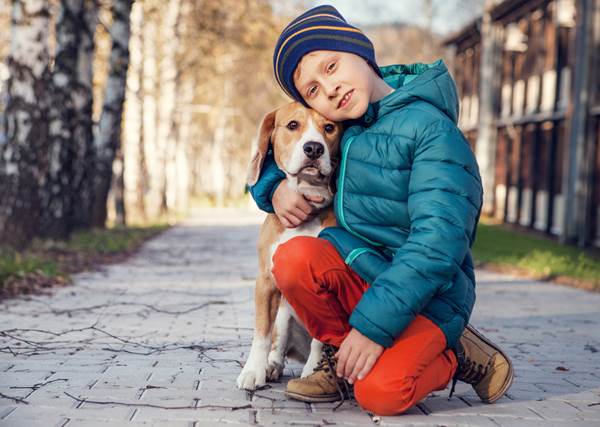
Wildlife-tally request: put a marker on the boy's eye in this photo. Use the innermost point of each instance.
(311, 91)
(329, 128)
(292, 125)
(330, 66)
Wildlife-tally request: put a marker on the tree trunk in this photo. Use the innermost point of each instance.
(184, 153)
(55, 195)
(108, 139)
(23, 158)
(169, 76)
(118, 187)
(152, 54)
(142, 177)
(184, 90)
(83, 138)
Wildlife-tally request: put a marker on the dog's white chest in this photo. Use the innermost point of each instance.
(311, 228)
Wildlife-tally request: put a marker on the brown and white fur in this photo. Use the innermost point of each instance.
(308, 154)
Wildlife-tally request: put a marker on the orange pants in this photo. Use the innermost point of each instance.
(323, 291)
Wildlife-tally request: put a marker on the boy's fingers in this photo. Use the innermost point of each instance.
(341, 362)
(299, 213)
(360, 363)
(304, 205)
(350, 363)
(283, 220)
(295, 220)
(289, 221)
(367, 368)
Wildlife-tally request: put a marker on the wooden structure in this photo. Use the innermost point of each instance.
(466, 75)
(539, 141)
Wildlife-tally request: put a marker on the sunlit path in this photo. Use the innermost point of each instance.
(159, 340)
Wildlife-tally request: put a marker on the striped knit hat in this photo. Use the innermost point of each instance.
(320, 28)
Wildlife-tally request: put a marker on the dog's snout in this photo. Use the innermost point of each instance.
(313, 150)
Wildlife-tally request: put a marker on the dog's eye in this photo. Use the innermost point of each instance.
(329, 128)
(292, 125)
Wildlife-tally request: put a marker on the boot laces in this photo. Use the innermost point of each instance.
(328, 363)
(468, 371)
(471, 372)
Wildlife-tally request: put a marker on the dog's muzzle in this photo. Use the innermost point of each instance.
(312, 175)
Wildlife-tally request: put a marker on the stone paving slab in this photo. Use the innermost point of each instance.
(160, 339)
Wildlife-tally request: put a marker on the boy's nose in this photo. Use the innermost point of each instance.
(332, 91)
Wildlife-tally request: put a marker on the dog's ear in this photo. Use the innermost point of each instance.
(264, 137)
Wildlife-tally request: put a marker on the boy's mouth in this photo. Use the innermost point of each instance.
(345, 99)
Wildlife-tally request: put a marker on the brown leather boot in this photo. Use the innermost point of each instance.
(482, 364)
(323, 385)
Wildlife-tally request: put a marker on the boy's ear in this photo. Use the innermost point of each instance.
(264, 137)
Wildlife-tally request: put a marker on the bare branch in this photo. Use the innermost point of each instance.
(16, 399)
(38, 385)
(150, 405)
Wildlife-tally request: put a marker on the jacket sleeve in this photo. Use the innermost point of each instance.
(444, 204)
(268, 180)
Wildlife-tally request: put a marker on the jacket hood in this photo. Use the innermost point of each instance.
(430, 82)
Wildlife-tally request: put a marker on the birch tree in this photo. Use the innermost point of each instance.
(56, 193)
(23, 158)
(83, 139)
(140, 40)
(108, 138)
(169, 82)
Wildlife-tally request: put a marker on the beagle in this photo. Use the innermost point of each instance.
(305, 147)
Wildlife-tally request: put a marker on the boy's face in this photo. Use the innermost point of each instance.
(325, 77)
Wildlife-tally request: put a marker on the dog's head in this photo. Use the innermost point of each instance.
(305, 145)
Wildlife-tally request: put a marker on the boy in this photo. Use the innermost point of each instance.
(391, 289)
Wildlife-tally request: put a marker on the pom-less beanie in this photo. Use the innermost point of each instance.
(320, 28)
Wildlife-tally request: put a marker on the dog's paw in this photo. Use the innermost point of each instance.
(274, 365)
(308, 368)
(313, 358)
(306, 371)
(252, 377)
(274, 370)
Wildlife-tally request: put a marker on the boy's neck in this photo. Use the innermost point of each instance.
(380, 90)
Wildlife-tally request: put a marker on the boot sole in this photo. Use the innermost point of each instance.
(508, 383)
(313, 399)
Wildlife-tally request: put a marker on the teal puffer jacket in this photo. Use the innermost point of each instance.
(408, 201)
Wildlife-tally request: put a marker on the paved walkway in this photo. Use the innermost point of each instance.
(159, 340)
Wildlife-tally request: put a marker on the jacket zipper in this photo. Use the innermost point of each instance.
(340, 193)
(356, 252)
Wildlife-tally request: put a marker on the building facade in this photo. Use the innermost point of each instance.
(527, 76)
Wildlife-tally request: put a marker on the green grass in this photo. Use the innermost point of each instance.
(15, 264)
(111, 240)
(49, 261)
(539, 257)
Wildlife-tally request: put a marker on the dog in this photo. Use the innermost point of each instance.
(306, 147)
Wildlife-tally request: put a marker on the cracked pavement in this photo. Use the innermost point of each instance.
(160, 339)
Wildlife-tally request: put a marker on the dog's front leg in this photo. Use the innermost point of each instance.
(314, 357)
(266, 299)
(281, 335)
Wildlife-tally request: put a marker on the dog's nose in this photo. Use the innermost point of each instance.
(313, 150)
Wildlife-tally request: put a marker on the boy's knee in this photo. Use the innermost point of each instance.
(385, 399)
(291, 258)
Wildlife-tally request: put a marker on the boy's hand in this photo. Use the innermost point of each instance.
(356, 356)
(291, 207)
